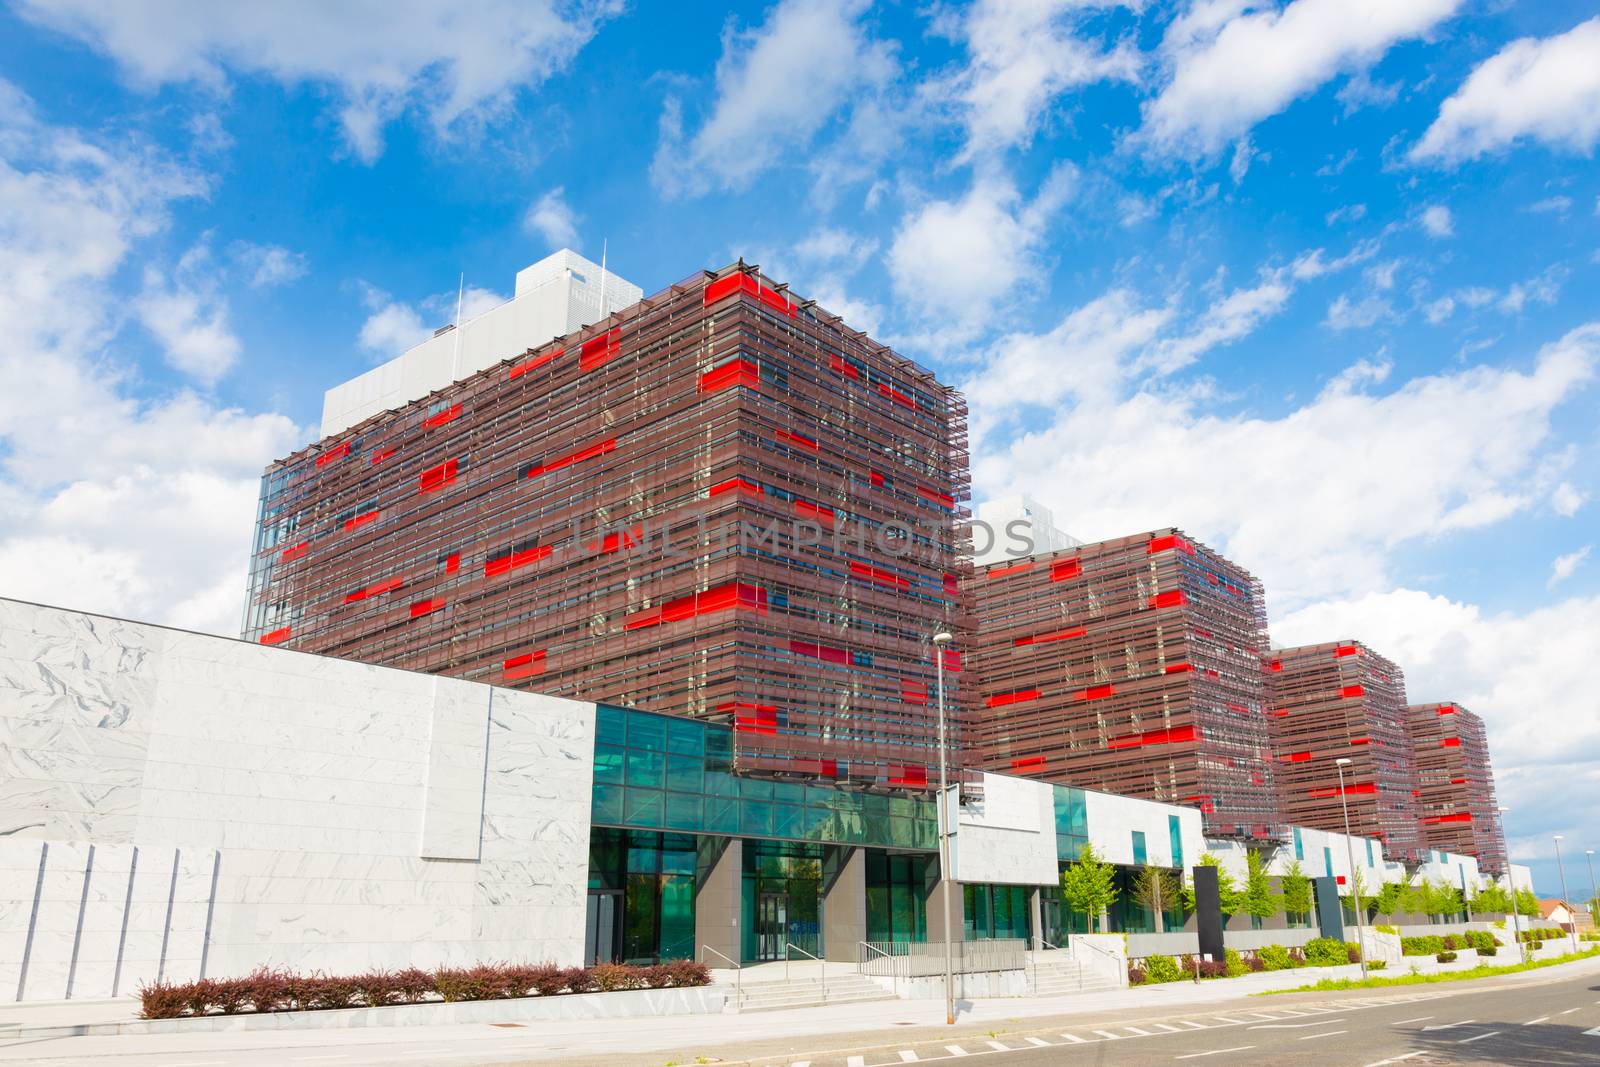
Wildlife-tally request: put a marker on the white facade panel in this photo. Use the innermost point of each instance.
(1008, 836)
(1113, 821)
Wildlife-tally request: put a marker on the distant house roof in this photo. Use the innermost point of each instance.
(1549, 907)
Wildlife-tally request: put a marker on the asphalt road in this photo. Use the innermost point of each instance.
(1551, 1025)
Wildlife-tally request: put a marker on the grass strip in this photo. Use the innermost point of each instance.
(1384, 981)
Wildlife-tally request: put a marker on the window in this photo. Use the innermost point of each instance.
(1175, 836)
(1327, 861)
(1369, 852)
(1139, 856)
(1299, 846)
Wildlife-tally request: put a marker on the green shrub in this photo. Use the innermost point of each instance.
(1446, 957)
(1275, 957)
(1234, 962)
(1162, 969)
(1387, 929)
(1329, 952)
(1490, 951)
(1427, 945)
(1377, 965)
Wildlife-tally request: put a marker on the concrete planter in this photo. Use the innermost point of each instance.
(624, 1004)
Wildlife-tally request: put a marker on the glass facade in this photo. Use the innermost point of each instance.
(641, 896)
(896, 902)
(1299, 846)
(1140, 856)
(1072, 822)
(1175, 838)
(994, 911)
(782, 890)
(663, 772)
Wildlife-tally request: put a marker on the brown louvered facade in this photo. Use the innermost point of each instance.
(1457, 805)
(720, 502)
(1342, 700)
(1131, 666)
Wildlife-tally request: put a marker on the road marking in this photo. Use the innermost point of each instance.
(1108, 1035)
(432, 1051)
(1193, 1025)
(1447, 1026)
(1398, 1059)
(1168, 1029)
(856, 1061)
(1235, 1022)
(1418, 1019)
(999, 1046)
(1037, 1042)
(1295, 1026)
(1569, 1011)
(1260, 1015)
(1595, 1032)
(956, 1050)
(1136, 1030)
(1214, 1052)
(1480, 1037)
(313, 1059)
(1074, 1038)
(1330, 1033)
(1540, 1019)
(800, 1063)
(908, 1056)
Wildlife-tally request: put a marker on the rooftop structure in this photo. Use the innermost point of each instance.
(1130, 666)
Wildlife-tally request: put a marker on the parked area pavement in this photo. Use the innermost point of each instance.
(1550, 1016)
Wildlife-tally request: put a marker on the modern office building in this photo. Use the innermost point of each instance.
(1130, 666)
(718, 502)
(1335, 701)
(1456, 801)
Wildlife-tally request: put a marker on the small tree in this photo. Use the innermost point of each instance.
(1258, 900)
(1089, 885)
(1444, 899)
(1157, 888)
(1527, 904)
(1296, 893)
(1358, 889)
(1492, 900)
(1390, 900)
(1230, 893)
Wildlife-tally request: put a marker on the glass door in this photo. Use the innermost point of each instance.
(600, 940)
(772, 926)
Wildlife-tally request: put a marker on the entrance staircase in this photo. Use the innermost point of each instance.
(1055, 974)
(808, 993)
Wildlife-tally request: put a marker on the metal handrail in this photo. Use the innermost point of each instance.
(1104, 952)
(738, 989)
(822, 983)
(894, 971)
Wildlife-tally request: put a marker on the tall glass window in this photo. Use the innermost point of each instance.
(1327, 861)
(1299, 846)
(1139, 855)
(994, 912)
(896, 910)
(783, 898)
(648, 880)
(1175, 836)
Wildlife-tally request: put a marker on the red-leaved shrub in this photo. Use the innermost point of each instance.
(579, 980)
(162, 1000)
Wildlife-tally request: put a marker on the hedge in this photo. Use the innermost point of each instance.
(1319, 952)
(269, 990)
(1433, 944)
(1543, 934)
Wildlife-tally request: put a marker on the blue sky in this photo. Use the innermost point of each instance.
(1316, 281)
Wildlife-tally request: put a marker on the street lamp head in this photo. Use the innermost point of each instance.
(1560, 838)
(943, 637)
(1343, 761)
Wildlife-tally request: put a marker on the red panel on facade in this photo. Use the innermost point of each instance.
(952, 660)
(753, 718)
(439, 418)
(724, 597)
(896, 395)
(1153, 737)
(913, 692)
(1447, 709)
(275, 636)
(829, 653)
(944, 499)
(452, 563)
(879, 575)
(513, 560)
(295, 551)
(1015, 568)
(739, 371)
(339, 451)
(1345, 650)
(1002, 699)
(911, 775)
(817, 511)
(599, 448)
(734, 485)
(361, 520)
(526, 665)
(437, 477)
(1061, 570)
(1097, 692)
(1451, 742)
(379, 457)
(426, 607)
(598, 351)
(1162, 544)
(1054, 635)
(839, 366)
(1172, 598)
(740, 282)
(1027, 762)
(797, 439)
(388, 585)
(533, 364)
(1350, 692)
(1359, 787)
(617, 541)
(1179, 668)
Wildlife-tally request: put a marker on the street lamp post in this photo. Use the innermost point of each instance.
(1511, 887)
(1350, 851)
(1564, 897)
(1594, 892)
(940, 640)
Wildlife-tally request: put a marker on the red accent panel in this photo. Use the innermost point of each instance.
(937, 497)
(1026, 762)
(510, 562)
(952, 661)
(798, 439)
(379, 457)
(615, 542)
(739, 282)
(339, 451)
(879, 575)
(951, 585)
(752, 718)
(1015, 568)
(1448, 709)
(1275, 666)
(732, 485)
(1054, 635)
(276, 636)
(1179, 668)
(1061, 570)
(909, 775)
(525, 666)
(739, 371)
(295, 551)
(1339, 879)
(1345, 650)
(1170, 599)
(533, 364)
(1000, 700)
(816, 511)
(877, 478)
(388, 585)
(823, 652)
(600, 448)
(1162, 544)
(1450, 742)
(449, 414)
(840, 366)
(896, 395)
(1097, 692)
(1361, 740)
(914, 692)
(598, 351)
(1459, 817)
(361, 520)
(1296, 757)
(1153, 737)
(1352, 691)
(452, 563)
(1359, 787)
(426, 607)
(724, 597)
(437, 477)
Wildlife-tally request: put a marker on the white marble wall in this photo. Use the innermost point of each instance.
(1007, 837)
(349, 816)
(1113, 820)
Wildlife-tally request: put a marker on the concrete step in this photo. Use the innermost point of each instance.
(802, 993)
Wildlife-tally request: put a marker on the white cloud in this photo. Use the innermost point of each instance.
(1543, 289)
(1563, 567)
(191, 322)
(1234, 316)
(1437, 221)
(1348, 213)
(955, 260)
(391, 327)
(1551, 205)
(1361, 91)
(1520, 671)
(552, 218)
(113, 501)
(1547, 89)
(455, 62)
(1347, 314)
(777, 86)
(267, 265)
(1023, 56)
(1437, 311)
(1567, 499)
(1233, 65)
(1313, 265)
(1317, 497)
